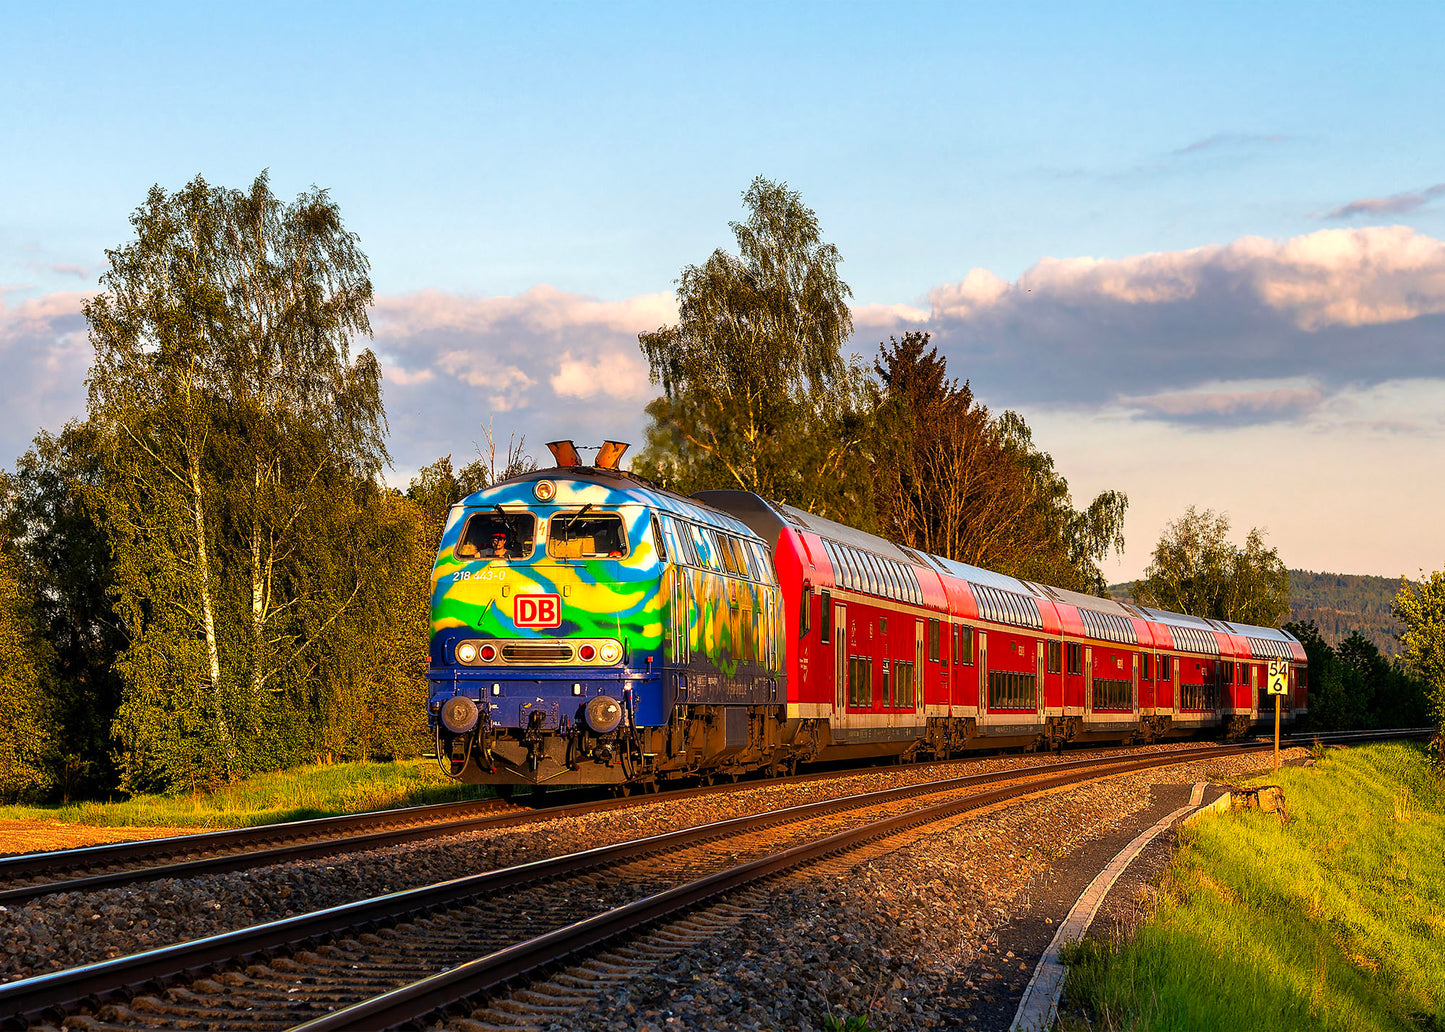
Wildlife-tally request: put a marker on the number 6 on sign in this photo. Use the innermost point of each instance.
(537, 611)
(1278, 677)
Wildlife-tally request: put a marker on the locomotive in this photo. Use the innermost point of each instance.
(589, 627)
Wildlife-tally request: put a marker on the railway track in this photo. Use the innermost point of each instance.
(29, 876)
(395, 958)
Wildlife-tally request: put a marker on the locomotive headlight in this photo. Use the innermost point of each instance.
(544, 490)
(467, 652)
(488, 653)
(610, 652)
(587, 653)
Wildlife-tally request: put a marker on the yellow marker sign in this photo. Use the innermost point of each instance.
(1278, 677)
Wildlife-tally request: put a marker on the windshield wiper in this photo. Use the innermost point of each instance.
(578, 515)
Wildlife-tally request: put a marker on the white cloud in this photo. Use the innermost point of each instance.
(616, 374)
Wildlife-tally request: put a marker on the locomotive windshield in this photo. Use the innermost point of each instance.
(498, 535)
(586, 535)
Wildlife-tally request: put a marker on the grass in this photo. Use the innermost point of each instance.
(1335, 920)
(288, 795)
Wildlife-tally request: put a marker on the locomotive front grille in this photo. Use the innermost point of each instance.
(527, 652)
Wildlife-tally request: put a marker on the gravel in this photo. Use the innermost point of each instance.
(909, 940)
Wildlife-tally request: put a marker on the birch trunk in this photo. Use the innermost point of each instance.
(258, 595)
(208, 622)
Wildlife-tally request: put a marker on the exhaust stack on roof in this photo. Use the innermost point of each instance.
(564, 453)
(610, 454)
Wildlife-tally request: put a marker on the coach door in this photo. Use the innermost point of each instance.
(983, 699)
(1039, 679)
(919, 667)
(841, 634)
(1088, 681)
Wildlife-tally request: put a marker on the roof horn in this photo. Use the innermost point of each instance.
(610, 454)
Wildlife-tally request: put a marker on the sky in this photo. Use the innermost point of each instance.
(1201, 248)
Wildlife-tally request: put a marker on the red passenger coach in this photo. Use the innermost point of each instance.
(892, 651)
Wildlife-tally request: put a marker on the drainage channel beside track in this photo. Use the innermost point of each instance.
(30, 876)
(522, 918)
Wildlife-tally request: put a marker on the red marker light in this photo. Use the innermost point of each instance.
(488, 653)
(587, 653)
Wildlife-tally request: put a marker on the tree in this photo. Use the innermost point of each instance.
(231, 412)
(1421, 609)
(27, 736)
(1197, 570)
(756, 393)
(952, 480)
(63, 555)
(1354, 686)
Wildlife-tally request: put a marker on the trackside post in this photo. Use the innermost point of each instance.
(1278, 685)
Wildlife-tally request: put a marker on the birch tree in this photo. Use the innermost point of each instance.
(756, 393)
(233, 411)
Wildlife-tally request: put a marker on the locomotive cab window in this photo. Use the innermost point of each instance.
(587, 535)
(494, 535)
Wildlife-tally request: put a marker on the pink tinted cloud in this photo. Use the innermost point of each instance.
(1395, 204)
(1223, 405)
(1332, 277)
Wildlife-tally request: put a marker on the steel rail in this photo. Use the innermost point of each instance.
(441, 994)
(250, 846)
(436, 995)
(49, 995)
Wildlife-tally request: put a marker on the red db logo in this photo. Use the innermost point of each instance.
(538, 611)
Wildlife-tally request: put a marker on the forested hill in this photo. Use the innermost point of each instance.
(1338, 602)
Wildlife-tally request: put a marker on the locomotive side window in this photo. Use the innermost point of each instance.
(494, 535)
(704, 544)
(733, 561)
(587, 535)
(805, 612)
(658, 543)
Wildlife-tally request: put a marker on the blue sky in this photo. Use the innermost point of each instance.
(528, 179)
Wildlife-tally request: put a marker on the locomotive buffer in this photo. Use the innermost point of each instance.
(1278, 685)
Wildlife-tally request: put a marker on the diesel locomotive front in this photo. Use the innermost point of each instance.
(578, 613)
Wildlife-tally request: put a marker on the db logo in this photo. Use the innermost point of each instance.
(538, 611)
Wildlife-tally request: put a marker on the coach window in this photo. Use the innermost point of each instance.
(494, 535)
(1164, 671)
(933, 641)
(825, 616)
(875, 574)
(1145, 667)
(895, 581)
(1054, 652)
(805, 612)
(965, 646)
(586, 535)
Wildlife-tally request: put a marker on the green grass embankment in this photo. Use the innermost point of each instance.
(1335, 920)
(288, 795)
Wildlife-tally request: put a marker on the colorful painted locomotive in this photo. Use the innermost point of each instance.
(589, 627)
